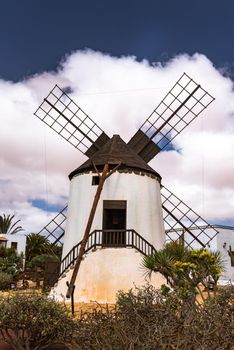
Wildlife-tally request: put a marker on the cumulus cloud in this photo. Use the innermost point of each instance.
(119, 94)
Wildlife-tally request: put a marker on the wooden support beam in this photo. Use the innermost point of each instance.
(113, 170)
(94, 165)
(87, 230)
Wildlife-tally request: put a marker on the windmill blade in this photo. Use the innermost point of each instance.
(183, 224)
(64, 116)
(183, 103)
(55, 229)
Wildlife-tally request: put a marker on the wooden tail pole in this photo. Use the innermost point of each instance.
(72, 299)
(102, 177)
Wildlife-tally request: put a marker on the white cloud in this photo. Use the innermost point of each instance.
(119, 94)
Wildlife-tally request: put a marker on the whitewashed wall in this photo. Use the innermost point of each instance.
(104, 272)
(19, 238)
(225, 239)
(144, 210)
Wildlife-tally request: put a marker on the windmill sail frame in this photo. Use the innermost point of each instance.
(181, 105)
(67, 119)
(55, 229)
(179, 216)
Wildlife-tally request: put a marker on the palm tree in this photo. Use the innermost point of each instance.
(37, 245)
(7, 226)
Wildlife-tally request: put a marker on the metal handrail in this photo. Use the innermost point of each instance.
(109, 239)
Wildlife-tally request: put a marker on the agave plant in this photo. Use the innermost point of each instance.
(8, 226)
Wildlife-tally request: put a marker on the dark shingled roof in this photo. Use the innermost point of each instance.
(115, 151)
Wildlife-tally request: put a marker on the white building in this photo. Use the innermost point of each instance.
(16, 241)
(224, 242)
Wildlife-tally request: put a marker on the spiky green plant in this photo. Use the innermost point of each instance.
(185, 269)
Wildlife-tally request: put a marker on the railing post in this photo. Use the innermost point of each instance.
(73, 254)
(95, 238)
(89, 241)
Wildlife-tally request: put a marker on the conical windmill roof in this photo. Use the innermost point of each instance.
(115, 151)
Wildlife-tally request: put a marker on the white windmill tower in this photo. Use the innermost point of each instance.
(117, 203)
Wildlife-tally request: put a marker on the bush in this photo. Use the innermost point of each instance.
(143, 319)
(33, 322)
(36, 267)
(41, 260)
(11, 262)
(146, 319)
(6, 252)
(5, 280)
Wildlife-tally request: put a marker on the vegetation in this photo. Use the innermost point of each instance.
(57, 250)
(142, 319)
(6, 280)
(40, 261)
(8, 226)
(39, 252)
(33, 322)
(11, 262)
(146, 319)
(37, 245)
(186, 270)
(37, 266)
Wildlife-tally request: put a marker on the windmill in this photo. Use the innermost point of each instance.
(116, 199)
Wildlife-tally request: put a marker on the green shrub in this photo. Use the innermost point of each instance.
(6, 252)
(5, 280)
(36, 267)
(184, 269)
(33, 322)
(41, 260)
(11, 262)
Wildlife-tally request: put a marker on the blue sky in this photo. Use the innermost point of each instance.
(35, 35)
(119, 58)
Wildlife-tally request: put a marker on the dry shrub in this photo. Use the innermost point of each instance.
(33, 322)
(146, 320)
(143, 319)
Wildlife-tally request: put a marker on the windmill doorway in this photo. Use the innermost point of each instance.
(114, 223)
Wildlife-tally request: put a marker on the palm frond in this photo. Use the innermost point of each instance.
(161, 262)
(7, 226)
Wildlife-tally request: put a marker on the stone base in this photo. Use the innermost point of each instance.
(103, 273)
